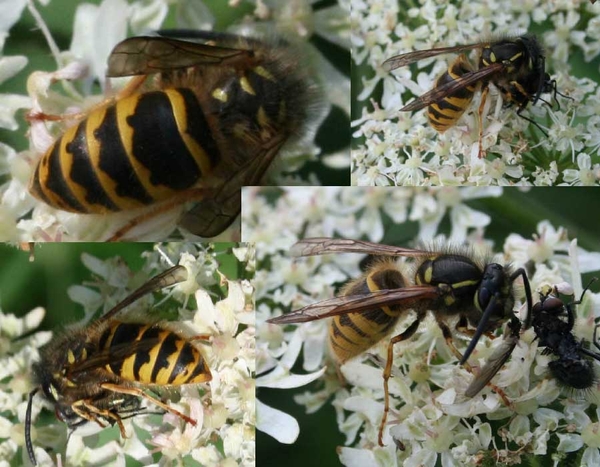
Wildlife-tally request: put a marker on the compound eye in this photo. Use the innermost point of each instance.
(553, 304)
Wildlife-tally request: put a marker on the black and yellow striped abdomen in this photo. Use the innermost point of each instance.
(353, 333)
(446, 112)
(137, 151)
(150, 354)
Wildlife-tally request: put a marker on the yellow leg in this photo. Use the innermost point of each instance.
(484, 93)
(139, 393)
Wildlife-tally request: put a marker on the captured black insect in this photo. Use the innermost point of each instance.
(555, 334)
(553, 321)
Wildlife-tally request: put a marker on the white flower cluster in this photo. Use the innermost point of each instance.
(429, 412)
(400, 148)
(224, 408)
(69, 90)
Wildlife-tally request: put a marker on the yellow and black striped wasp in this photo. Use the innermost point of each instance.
(99, 373)
(516, 66)
(449, 283)
(216, 112)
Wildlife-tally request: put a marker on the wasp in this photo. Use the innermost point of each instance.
(447, 284)
(516, 66)
(218, 109)
(553, 321)
(101, 372)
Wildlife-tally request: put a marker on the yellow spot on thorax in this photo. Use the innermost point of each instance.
(259, 70)
(245, 85)
(220, 95)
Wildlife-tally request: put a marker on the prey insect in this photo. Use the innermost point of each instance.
(446, 283)
(213, 118)
(516, 66)
(553, 321)
(101, 372)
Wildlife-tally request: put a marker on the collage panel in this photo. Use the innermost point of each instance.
(496, 92)
(408, 320)
(435, 270)
(136, 120)
(135, 354)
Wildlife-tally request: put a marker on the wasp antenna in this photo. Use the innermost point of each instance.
(28, 442)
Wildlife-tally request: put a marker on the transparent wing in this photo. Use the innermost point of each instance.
(325, 245)
(167, 278)
(213, 215)
(357, 303)
(496, 360)
(398, 61)
(145, 55)
(440, 92)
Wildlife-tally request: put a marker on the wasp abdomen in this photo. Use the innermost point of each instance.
(135, 152)
(353, 333)
(445, 113)
(149, 354)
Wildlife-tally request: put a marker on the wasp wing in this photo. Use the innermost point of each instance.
(496, 360)
(440, 92)
(167, 278)
(324, 245)
(398, 61)
(214, 214)
(145, 55)
(357, 303)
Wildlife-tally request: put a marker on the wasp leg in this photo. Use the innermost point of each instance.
(484, 93)
(202, 337)
(139, 393)
(193, 194)
(387, 372)
(90, 413)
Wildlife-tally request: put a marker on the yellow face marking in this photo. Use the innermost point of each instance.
(245, 85)
(428, 275)
(70, 356)
(220, 95)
